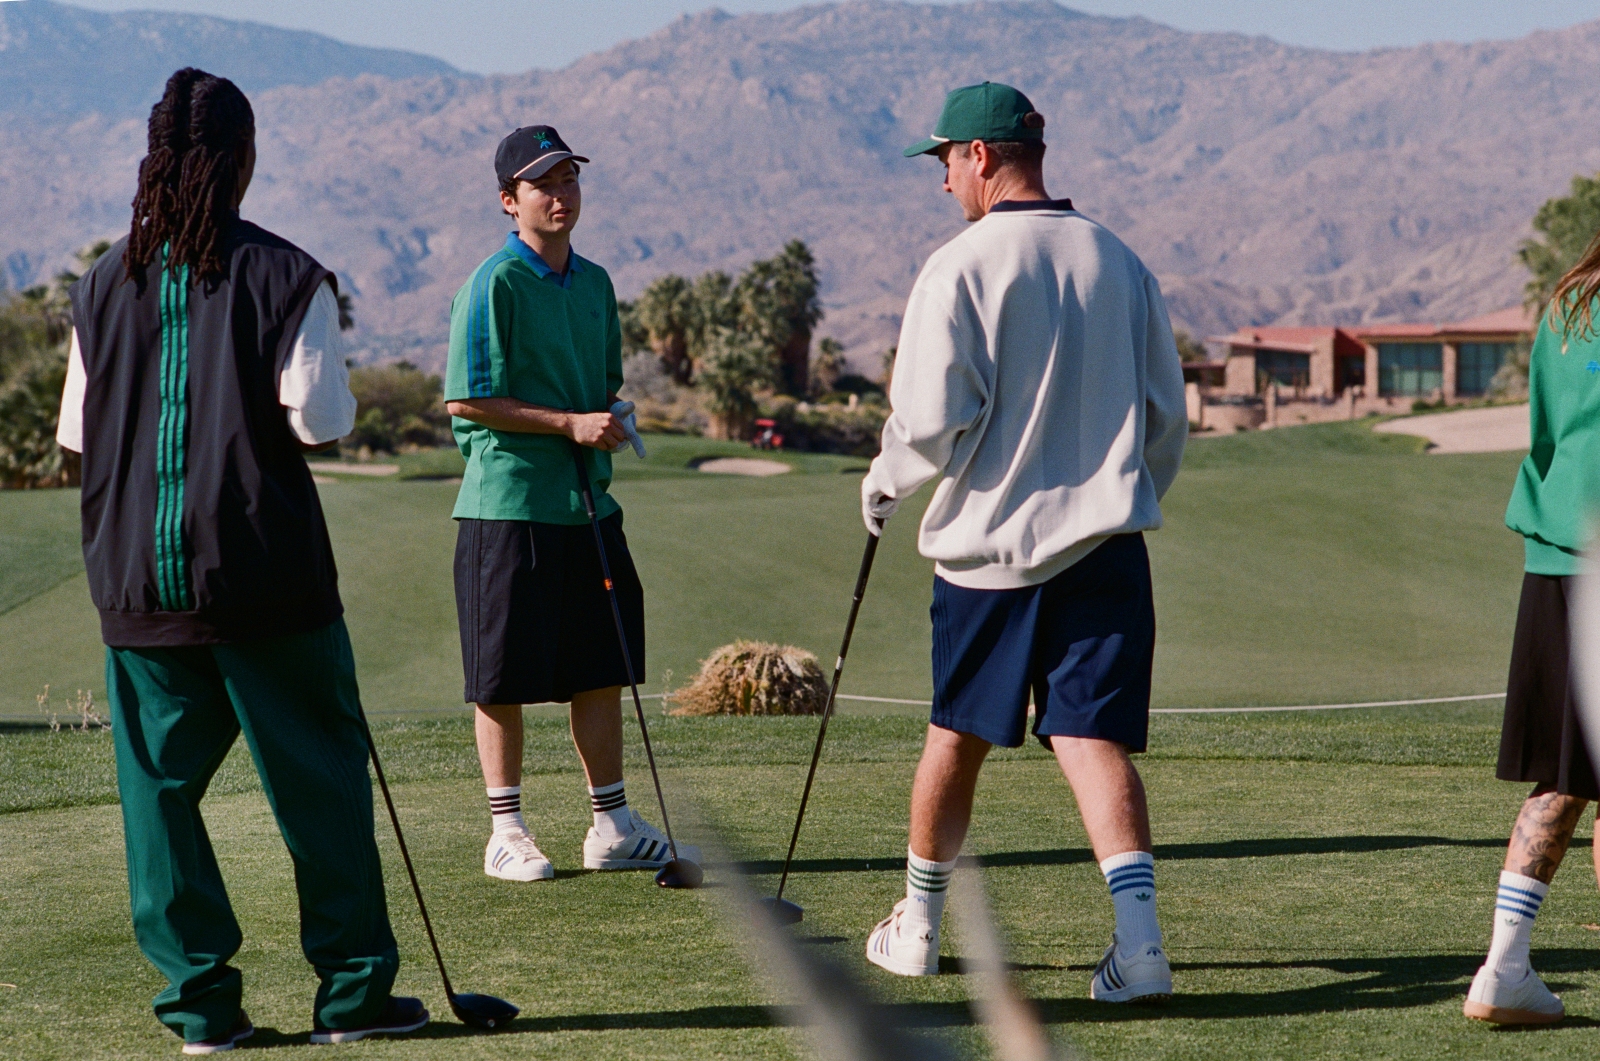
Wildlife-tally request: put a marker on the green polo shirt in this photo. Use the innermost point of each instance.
(519, 329)
(1555, 493)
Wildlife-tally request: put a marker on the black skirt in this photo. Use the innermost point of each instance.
(1541, 739)
(536, 622)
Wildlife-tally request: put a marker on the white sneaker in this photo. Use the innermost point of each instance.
(1526, 1001)
(1143, 976)
(645, 847)
(904, 949)
(514, 856)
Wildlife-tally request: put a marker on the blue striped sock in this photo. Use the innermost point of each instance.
(1515, 907)
(1131, 876)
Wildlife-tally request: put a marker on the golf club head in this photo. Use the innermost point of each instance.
(484, 1012)
(782, 911)
(680, 873)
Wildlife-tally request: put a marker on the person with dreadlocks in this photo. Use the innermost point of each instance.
(205, 363)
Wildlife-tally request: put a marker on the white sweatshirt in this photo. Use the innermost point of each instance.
(1038, 378)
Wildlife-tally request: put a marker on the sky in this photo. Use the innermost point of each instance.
(511, 36)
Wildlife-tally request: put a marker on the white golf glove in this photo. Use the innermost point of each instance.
(623, 411)
(876, 507)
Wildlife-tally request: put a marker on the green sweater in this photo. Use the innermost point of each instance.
(1554, 496)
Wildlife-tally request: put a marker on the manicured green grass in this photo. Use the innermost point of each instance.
(1313, 909)
(1307, 565)
(667, 455)
(1326, 878)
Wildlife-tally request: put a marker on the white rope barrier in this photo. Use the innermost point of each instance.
(1212, 710)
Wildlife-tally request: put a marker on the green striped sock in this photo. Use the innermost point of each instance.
(926, 885)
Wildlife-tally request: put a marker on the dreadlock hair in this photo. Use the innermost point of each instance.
(188, 181)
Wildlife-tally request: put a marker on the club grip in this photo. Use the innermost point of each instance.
(584, 489)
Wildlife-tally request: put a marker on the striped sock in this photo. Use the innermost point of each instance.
(926, 885)
(1131, 876)
(505, 809)
(611, 816)
(1514, 910)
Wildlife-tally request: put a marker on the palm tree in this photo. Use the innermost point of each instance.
(777, 304)
(666, 311)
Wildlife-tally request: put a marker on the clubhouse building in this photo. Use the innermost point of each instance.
(1271, 376)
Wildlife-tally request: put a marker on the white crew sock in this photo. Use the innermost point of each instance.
(1131, 876)
(611, 815)
(505, 809)
(926, 885)
(1514, 910)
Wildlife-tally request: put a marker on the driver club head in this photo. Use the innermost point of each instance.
(680, 873)
(484, 1012)
(782, 911)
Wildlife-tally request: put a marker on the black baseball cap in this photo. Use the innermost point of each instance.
(530, 153)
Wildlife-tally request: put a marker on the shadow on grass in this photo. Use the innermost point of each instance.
(1390, 982)
(1071, 856)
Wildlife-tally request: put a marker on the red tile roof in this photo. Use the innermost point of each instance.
(1347, 340)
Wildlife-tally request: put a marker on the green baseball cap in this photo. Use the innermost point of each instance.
(990, 111)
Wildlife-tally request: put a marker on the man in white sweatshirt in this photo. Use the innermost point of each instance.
(1037, 380)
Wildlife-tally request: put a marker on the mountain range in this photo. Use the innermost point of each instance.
(1263, 183)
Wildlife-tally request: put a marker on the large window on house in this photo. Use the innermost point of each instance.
(1284, 367)
(1410, 369)
(1476, 364)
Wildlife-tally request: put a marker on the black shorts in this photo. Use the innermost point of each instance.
(536, 624)
(1541, 739)
(1080, 645)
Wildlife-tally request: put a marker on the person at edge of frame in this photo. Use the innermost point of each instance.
(1541, 738)
(205, 363)
(1038, 380)
(534, 335)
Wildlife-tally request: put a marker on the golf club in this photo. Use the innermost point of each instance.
(680, 872)
(484, 1012)
(785, 912)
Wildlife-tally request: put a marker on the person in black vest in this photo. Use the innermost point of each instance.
(205, 363)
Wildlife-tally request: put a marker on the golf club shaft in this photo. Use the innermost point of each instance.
(587, 493)
(833, 693)
(405, 855)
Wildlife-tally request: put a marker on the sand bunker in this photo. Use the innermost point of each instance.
(742, 466)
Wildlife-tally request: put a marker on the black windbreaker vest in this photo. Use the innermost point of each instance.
(201, 524)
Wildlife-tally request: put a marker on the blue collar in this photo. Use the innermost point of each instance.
(540, 268)
(1011, 205)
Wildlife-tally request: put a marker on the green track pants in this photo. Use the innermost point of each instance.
(176, 713)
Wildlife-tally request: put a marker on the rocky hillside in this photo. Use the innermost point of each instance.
(1262, 182)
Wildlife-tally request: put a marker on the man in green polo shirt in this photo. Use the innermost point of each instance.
(535, 364)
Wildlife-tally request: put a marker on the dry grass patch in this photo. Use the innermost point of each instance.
(754, 678)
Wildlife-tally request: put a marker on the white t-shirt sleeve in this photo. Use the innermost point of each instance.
(69, 425)
(314, 385)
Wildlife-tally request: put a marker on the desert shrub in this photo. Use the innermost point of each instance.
(662, 404)
(30, 409)
(398, 407)
(832, 426)
(754, 678)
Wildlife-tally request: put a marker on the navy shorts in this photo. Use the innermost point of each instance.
(535, 618)
(1081, 645)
